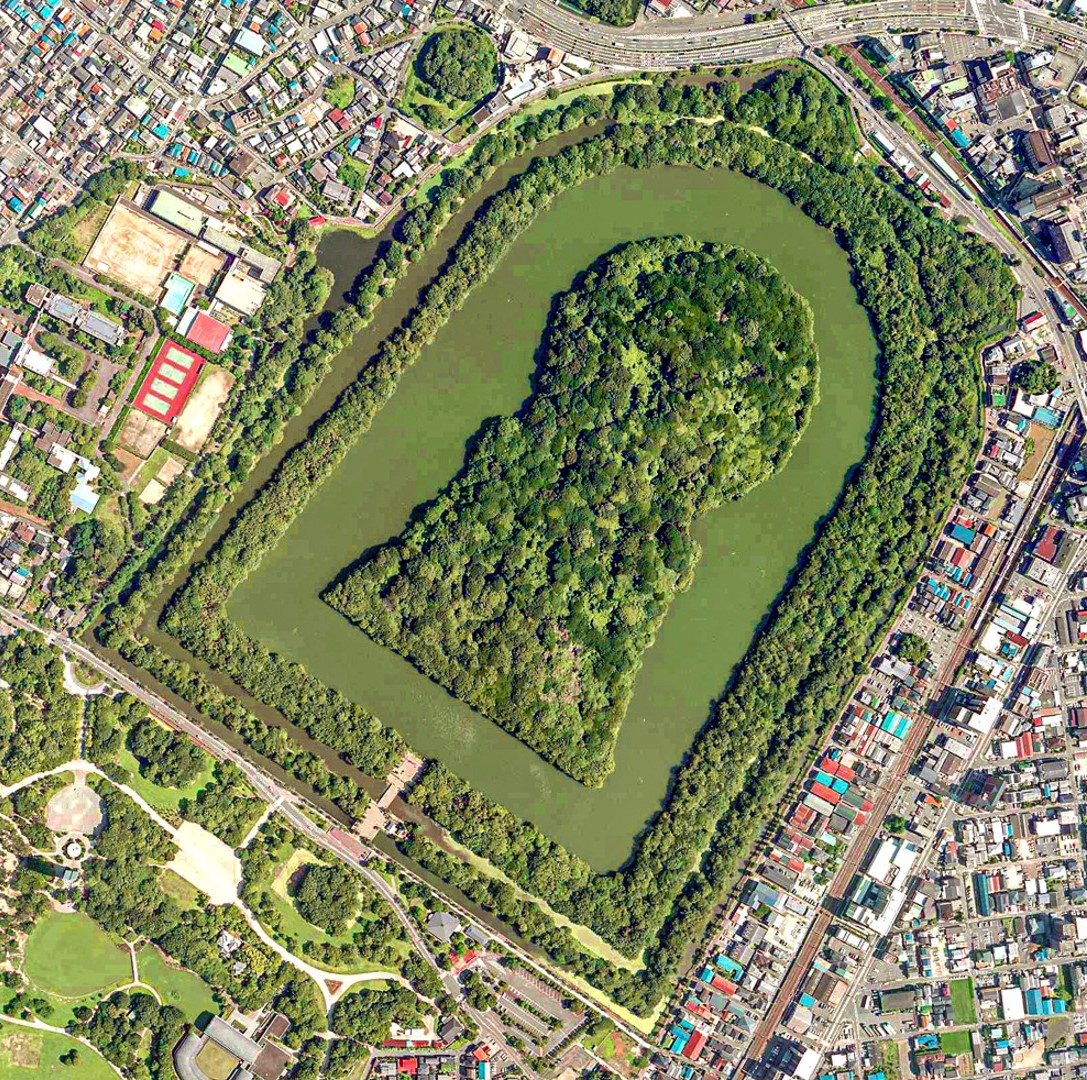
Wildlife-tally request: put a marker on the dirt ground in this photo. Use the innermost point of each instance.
(201, 266)
(168, 472)
(141, 433)
(152, 494)
(196, 420)
(205, 861)
(135, 250)
(1043, 438)
(24, 1051)
(130, 462)
(74, 809)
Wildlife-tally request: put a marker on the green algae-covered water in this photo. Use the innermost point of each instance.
(479, 366)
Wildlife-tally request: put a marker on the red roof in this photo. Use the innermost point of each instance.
(824, 792)
(209, 333)
(409, 1065)
(1047, 546)
(694, 1045)
(169, 382)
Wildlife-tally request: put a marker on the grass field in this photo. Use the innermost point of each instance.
(163, 798)
(176, 886)
(71, 956)
(30, 1055)
(295, 926)
(955, 1042)
(963, 1008)
(176, 985)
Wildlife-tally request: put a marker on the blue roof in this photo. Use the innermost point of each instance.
(80, 500)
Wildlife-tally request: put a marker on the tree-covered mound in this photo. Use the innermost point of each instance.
(457, 65)
(673, 376)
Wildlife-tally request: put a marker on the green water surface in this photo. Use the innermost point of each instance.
(479, 366)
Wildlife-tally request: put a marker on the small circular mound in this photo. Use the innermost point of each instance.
(457, 66)
(74, 809)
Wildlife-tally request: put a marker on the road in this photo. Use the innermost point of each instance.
(301, 814)
(998, 573)
(667, 44)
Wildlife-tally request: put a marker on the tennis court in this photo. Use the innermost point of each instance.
(168, 384)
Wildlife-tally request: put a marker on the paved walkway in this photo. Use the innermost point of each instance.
(195, 863)
(38, 1025)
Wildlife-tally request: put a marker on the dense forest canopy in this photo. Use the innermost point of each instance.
(934, 294)
(674, 376)
(457, 65)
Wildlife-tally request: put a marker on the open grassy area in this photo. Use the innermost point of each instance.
(83, 235)
(163, 798)
(176, 886)
(963, 1008)
(72, 956)
(955, 1042)
(29, 1055)
(176, 985)
(295, 926)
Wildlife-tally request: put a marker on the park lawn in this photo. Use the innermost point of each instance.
(163, 798)
(176, 886)
(955, 1042)
(293, 925)
(963, 1007)
(31, 1055)
(596, 89)
(176, 985)
(62, 1009)
(72, 956)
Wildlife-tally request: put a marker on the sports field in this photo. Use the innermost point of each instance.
(72, 956)
(34, 1055)
(196, 420)
(134, 249)
(169, 382)
(141, 434)
(201, 266)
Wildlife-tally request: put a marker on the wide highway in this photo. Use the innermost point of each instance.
(667, 44)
